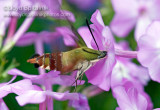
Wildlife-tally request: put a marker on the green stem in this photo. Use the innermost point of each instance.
(1, 40)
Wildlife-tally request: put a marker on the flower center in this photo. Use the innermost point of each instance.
(142, 10)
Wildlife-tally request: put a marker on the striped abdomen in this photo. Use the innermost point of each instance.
(49, 61)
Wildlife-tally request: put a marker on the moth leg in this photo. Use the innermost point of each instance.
(77, 77)
(75, 86)
(85, 67)
(82, 68)
(81, 78)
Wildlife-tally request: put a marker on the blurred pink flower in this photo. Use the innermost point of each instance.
(35, 96)
(92, 91)
(54, 9)
(40, 96)
(129, 77)
(125, 70)
(51, 7)
(8, 8)
(86, 35)
(139, 13)
(148, 54)
(129, 98)
(3, 106)
(17, 87)
(33, 37)
(51, 78)
(81, 104)
(68, 35)
(47, 37)
(87, 6)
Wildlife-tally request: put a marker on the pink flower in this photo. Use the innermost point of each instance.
(81, 104)
(51, 78)
(125, 70)
(3, 106)
(100, 73)
(18, 87)
(6, 12)
(36, 96)
(92, 91)
(54, 9)
(67, 35)
(46, 37)
(129, 98)
(32, 13)
(139, 13)
(33, 37)
(127, 78)
(87, 6)
(148, 54)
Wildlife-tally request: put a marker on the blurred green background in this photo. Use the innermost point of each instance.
(103, 101)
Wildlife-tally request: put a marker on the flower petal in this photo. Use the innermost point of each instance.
(86, 35)
(148, 54)
(141, 26)
(3, 106)
(20, 73)
(27, 39)
(31, 37)
(63, 96)
(31, 96)
(129, 99)
(34, 96)
(88, 5)
(100, 73)
(121, 25)
(97, 75)
(17, 87)
(97, 20)
(67, 35)
(53, 77)
(81, 104)
(124, 6)
(154, 69)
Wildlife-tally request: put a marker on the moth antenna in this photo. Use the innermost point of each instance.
(91, 33)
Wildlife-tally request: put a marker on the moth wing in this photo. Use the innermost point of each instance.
(78, 39)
